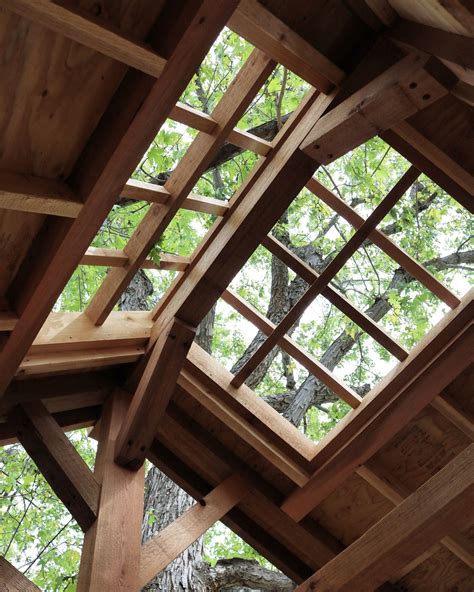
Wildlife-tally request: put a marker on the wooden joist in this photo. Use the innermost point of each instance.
(429, 368)
(169, 543)
(410, 85)
(153, 394)
(201, 152)
(12, 580)
(117, 258)
(26, 193)
(267, 32)
(97, 34)
(396, 492)
(63, 468)
(124, 133)
(452, 47)
(327, 275)
(111, 553)
(158, 194)
(384, 243)
(441, 505)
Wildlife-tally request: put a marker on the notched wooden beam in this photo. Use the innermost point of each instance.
(62, 466)
(412, 84)
(153, 393)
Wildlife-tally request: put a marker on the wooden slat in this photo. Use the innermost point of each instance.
(117, 258)
(111, 553)
(157, 194)
(26, 193)
(443, 44)
(327, 275)
(63, 468)
(385, 243)
(250, 142)
(359, 317)
(12, 580)
(434, 363)
(410, 85)
(169, 543)
(124, 133)
(8, 320)
(267, 32)
(293, 349)
(396, 492)
(441, 505)
(201, 152)
(193, 118)
(153, 394)
(99, 35)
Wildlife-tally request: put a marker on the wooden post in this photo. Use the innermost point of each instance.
(111, 553)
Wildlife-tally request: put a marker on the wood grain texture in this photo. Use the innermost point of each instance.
(435, 509)
(111, 553)
(99, 35)
(153, 394)
(12, 580)
(169, 543)
(63, 468)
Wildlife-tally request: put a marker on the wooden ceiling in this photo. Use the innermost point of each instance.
(385, 501)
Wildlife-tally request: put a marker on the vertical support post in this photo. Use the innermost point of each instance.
(111, 552)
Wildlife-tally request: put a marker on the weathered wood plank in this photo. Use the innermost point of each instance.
(12, 580)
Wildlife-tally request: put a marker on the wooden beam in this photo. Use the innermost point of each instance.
(141, 190)
(440, 506)
(449, 46)
(201, 152)
(169, 543)
(430, 367)
(193, 118)
(213, 377)
(153, 394)
(7, 320)
(439, 158)
(117, 258)
(26, 193)
(12, 580)
(254, 210)
(451, 412)
(264, 30)
(293, 349)
(111, 553)
(436, 165)
(327, 275)
(99, 35)
(359, 317)
(396, 492)
(244, 429)
(384, 243)
(410, 85)
(119, 141)
(63, 468)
